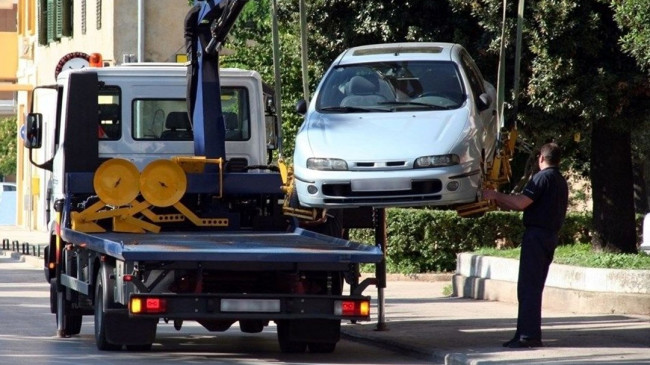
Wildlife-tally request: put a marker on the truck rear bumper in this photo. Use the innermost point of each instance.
(249, 306)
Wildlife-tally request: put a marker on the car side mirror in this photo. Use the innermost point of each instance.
(301, 107)
(33, 131)
(484, 101)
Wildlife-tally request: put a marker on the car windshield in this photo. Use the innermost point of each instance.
(392, 86)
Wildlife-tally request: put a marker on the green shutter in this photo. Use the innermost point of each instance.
(67, 18)
(51, 20)
(42, 22)
(58, 27)
(83, 16)
(99, 14)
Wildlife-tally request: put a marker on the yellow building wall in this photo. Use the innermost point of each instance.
(9, 59)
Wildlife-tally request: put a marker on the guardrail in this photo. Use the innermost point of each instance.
(24, 248)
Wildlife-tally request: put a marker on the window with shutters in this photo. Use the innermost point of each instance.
(54, 20)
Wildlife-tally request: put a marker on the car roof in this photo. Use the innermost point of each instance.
(405, 51)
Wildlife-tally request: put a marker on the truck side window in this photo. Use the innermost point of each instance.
(161, 119)
(109, 114)
(236, 113)
(167, 119)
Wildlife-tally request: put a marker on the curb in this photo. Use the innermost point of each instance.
(33, 261)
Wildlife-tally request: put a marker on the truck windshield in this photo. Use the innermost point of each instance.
(167, 119)
(392, 86)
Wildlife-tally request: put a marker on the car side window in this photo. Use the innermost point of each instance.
(473, 74)
(8, 188)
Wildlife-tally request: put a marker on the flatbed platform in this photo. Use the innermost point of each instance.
(300, 246)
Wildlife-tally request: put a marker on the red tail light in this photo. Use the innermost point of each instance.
(352, 308)
(149, 305)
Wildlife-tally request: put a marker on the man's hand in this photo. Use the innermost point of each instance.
(507, 201)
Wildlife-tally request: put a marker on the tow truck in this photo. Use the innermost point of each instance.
(168, 207)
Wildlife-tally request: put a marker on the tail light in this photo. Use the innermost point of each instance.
(148, 305)
(352, 308)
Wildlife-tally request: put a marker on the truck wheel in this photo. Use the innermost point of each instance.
(67, 323)
(53, 296)
(143, 348)
(100, 315)
(322, 348)
(286, 344)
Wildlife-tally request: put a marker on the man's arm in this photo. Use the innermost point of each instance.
(507, 201)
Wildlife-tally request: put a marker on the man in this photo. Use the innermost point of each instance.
(544, 202)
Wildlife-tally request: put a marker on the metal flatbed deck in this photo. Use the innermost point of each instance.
(300, 246)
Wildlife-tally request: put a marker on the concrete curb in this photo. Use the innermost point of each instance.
(28, 259)
(567, 288)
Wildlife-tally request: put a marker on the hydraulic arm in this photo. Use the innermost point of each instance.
(206, 26)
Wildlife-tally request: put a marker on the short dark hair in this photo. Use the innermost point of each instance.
(552, 153)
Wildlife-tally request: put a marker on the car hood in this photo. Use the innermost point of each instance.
(386, 136)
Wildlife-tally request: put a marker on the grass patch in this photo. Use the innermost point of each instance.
(581, 255)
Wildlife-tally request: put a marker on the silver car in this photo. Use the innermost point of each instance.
(404, 124)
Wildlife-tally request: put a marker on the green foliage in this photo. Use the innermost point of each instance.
(633, 17)
(581, 254)
(423, 240)
(8, 127)
(251, 44)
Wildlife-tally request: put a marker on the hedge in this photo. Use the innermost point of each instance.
(425, 240)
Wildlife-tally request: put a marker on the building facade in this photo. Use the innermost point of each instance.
(9, 61)
(47, 30)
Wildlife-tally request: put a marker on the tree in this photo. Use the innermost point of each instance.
(250, 44)
(577, 79)
(340, 24)
(633, 17)
(8, 146)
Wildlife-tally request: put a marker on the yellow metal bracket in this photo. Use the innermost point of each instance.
(497, 174)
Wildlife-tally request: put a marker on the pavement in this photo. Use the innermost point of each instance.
(423, 320)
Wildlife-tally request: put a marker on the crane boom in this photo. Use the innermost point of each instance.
(206, 26)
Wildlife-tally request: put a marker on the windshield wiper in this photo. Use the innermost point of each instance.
(352, 109)
(426, 105)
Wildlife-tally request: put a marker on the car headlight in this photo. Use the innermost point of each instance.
(328, 164)
(436, 161)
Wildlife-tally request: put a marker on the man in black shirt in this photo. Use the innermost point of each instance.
(544, 202)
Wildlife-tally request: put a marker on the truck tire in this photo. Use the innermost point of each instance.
(101, 300)
(113, 326)
(320, 335)
(67, 323)
(288, 345)
(322, 347)
(139, 348)
(53, 296)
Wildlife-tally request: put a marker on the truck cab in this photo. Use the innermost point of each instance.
(142, 117)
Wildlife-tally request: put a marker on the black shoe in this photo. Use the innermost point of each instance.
(511, 341)
(524, 343)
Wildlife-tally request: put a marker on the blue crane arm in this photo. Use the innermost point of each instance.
(206, 26)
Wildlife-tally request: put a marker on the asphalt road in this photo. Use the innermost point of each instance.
(28, 336)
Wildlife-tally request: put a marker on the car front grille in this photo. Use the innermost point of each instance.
(377, 165)
(426, 187)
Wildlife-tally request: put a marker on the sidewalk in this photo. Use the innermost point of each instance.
(451, 330)
(420, 320)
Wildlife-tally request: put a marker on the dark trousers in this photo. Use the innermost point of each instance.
(537, 249)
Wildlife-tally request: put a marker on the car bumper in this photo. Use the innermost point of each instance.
(341, 189)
